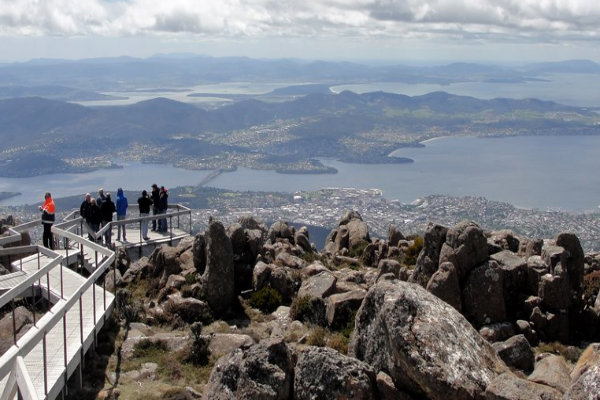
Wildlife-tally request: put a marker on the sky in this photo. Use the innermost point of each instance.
(510, 31)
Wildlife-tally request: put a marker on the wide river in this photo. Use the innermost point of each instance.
(545, 172)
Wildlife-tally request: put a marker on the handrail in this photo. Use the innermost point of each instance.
(58, 312)
(16, 291)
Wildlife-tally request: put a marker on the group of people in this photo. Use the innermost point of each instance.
(98, 212)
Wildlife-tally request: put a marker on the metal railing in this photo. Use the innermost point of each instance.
(12, 360)
(69, 235)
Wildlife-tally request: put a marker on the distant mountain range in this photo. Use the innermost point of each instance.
(126, 73)
(285, 136)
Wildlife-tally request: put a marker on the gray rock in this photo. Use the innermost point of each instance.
(358, 234)
(23, 319)
(587, 387)
(574, 261)
(218, 279)
(284, 259)
(323, 373)
(483, 295)
(466, 248)
(301, 239)
(533, 247)
(497, 332)
(516, 352)
(444, 284)
(424, 344)
(342, 306)
(554, 255)
(428, 259)
(551, 370)
(199, 252)
(506, 240)
(320, 285)
(342, 239)
(394, 235)
(188, 309)
(387, 390)
(554, 291)
(165, 260)
(536, 268)
(264, 371)
(388, 266)
(509, 387)
(281, 230)
(224, 343)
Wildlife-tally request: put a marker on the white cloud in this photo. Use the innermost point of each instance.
(493, 19)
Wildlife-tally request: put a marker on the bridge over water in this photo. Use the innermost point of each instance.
(70, 282)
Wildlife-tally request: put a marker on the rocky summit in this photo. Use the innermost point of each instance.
(251, 311)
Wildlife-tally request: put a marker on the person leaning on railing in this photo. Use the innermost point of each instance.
(48, 209)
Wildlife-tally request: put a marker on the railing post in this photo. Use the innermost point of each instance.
(48, 284)
(62, 295)
(33, 297)
(45, 365)
(81, 331)
(171, 230)
(14, 322)
(66, 357)
(115, 274)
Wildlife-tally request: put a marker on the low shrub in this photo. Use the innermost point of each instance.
(266, 299)
(308, 309)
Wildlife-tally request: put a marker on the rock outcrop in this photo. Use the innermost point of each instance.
(423, 343)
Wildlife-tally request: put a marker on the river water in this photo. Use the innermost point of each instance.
(544, 172)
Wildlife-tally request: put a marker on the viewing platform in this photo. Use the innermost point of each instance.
(70, 282)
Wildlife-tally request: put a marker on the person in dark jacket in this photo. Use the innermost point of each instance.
(48, 210)
(144, 202)
(84, 212)
(95, 216)
(164, 204)
(155, 197)
(107, 208)
(121, 213)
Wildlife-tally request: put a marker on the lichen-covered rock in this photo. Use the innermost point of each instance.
(23, 319)
(505, 239)
(387, 390)
(342, 306)
(516, 352)
(320, 285)
(386, 266)
(428, 259)
(444, 284)
(424, 344)
(188, 309)
(264, 371)
(165, 262)
(509, 387)
(394, 235)
(483, 295)
(466, 247)
(551, 370)
(574, 261)
(224, 343)
(587, 387)
(199, 252)
(497, 332)
(218, 278)
(324, 373)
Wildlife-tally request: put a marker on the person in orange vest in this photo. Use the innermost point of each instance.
(48, 210)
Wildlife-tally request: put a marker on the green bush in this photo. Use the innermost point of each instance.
(358, 250)
(266, 299)
(317, 337)
(308, 309)
(149, 348)
(413, 251)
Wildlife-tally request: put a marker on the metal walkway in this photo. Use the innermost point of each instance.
(40, 362)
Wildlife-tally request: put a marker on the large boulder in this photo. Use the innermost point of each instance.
(394, 235)
(188, 309)
(444, 284)
(516, 352)
(199, 252)
(428, 259)
(264, 371)
(466, 247)
(423, 343)
(509, 387)
(574, 262)
(165, 260)
(341, 307)
(483, 295)
(551, 370)
(23, 319)
(323, 373)
(218, 278)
